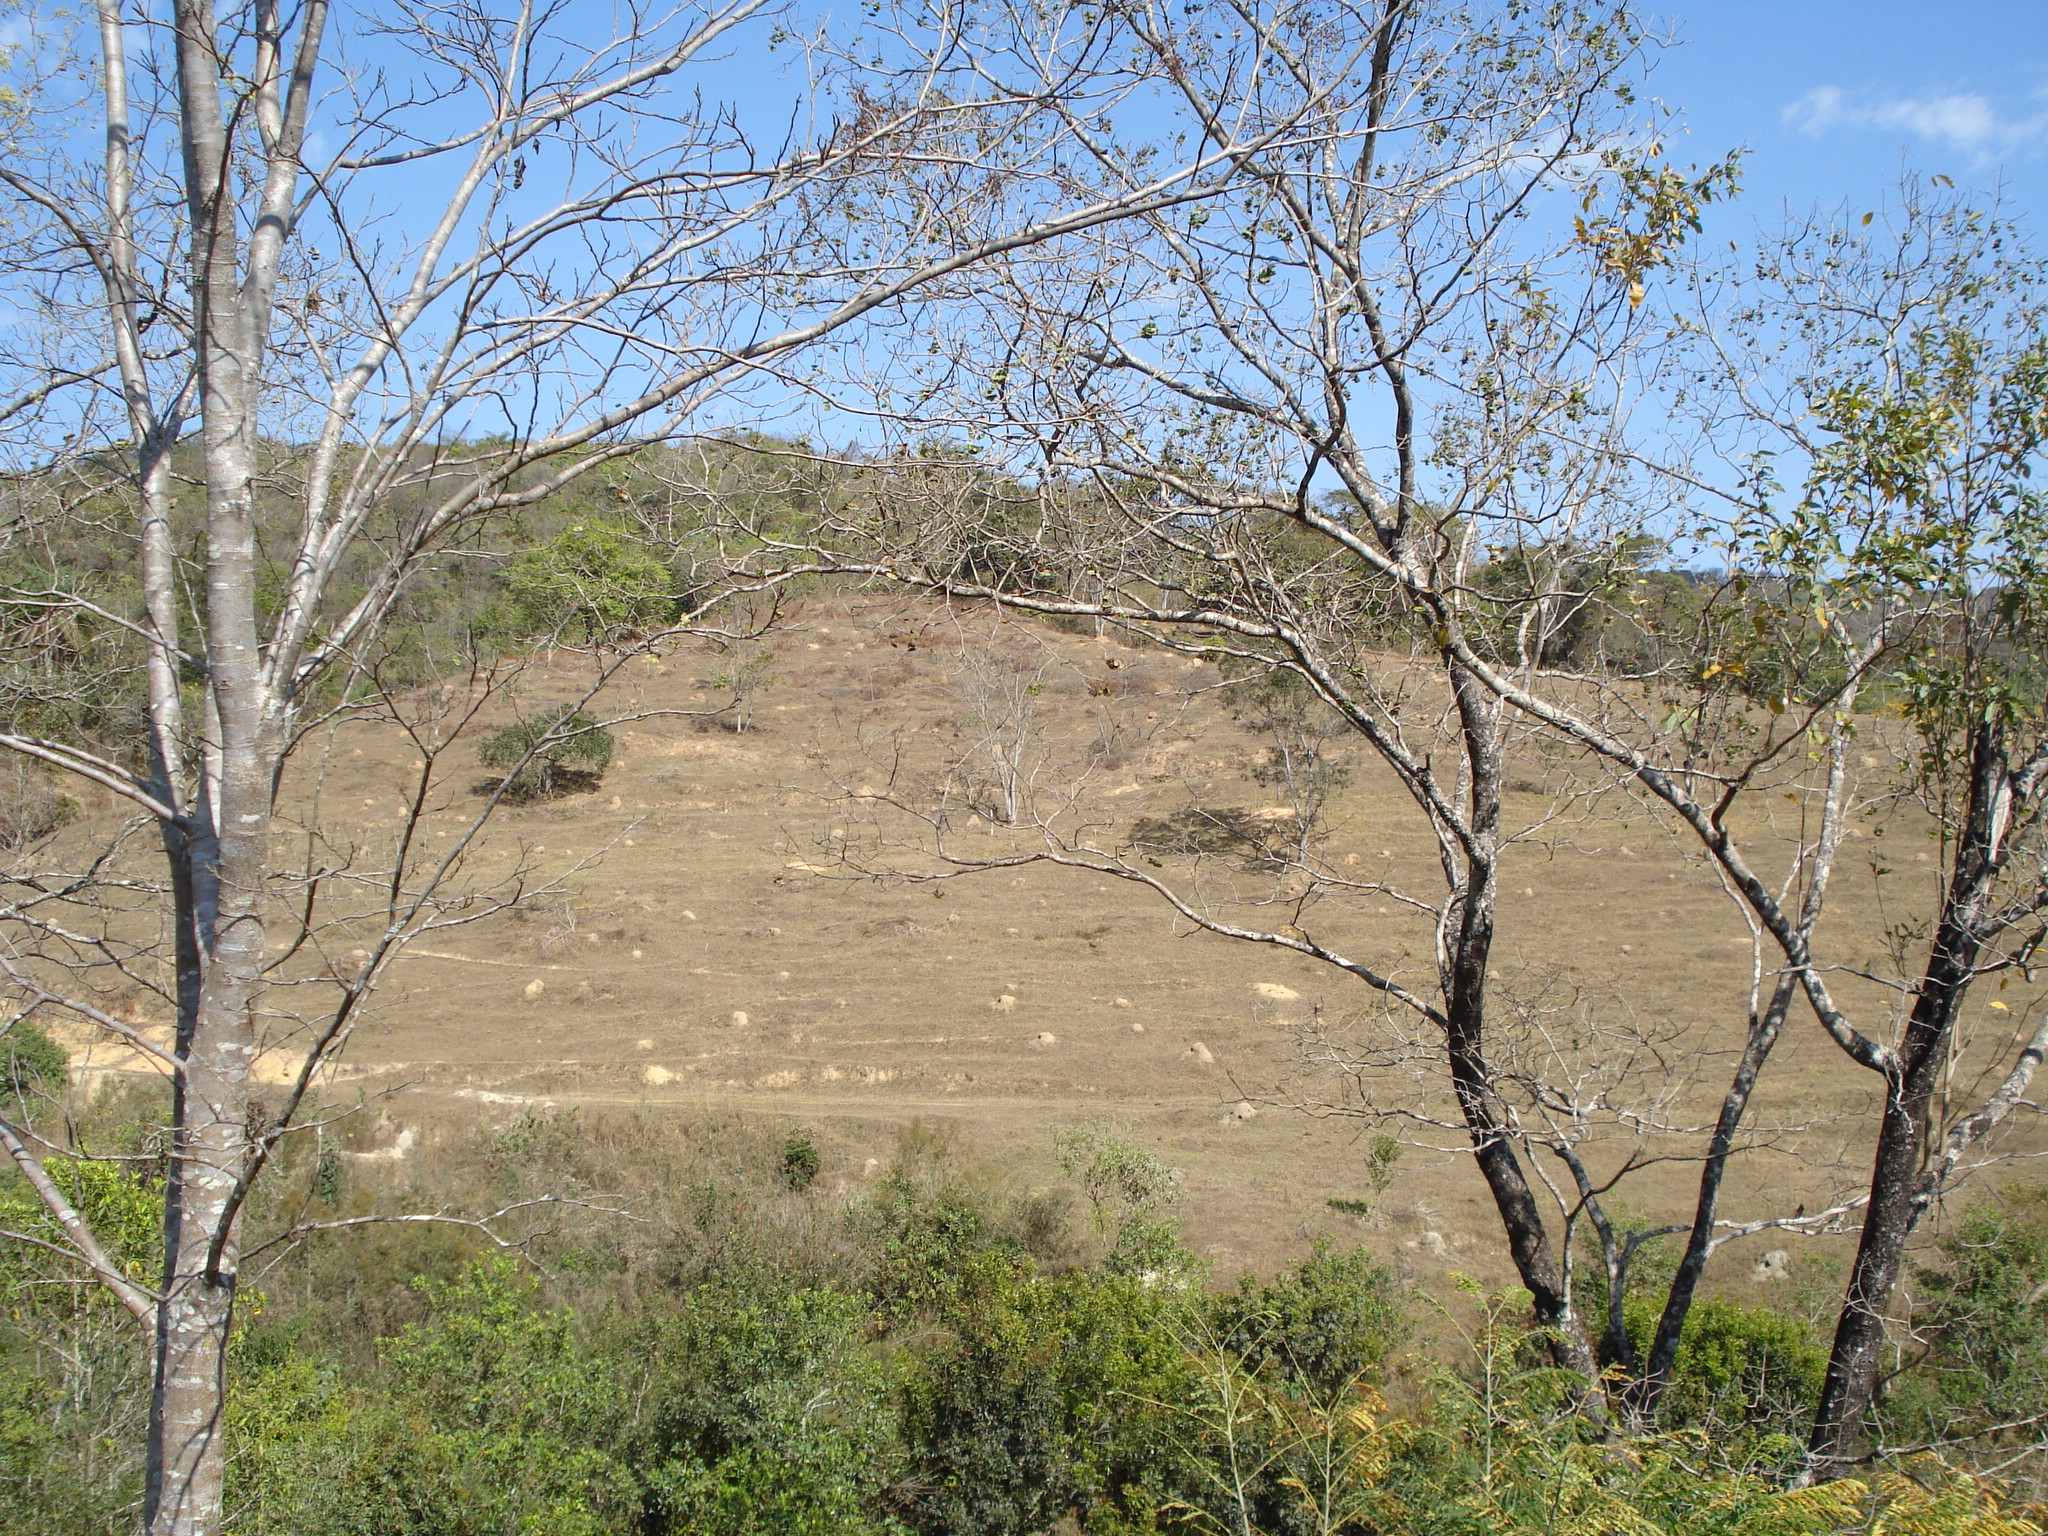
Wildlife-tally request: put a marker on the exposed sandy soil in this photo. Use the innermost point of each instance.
(702, 959)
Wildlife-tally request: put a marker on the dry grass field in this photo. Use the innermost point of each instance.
(706, 956)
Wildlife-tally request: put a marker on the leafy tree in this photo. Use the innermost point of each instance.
(594, 580)
(773, 1414)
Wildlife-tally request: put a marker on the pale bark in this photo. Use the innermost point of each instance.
(393, 352)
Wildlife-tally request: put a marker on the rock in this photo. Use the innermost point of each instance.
(1276, 992)
(739, 1018)
(1775, 1265)
(1433, 1243)
(655, 1076)
(534, 989)
(643, 1045)
(1122, 1002)
(1137, 1026)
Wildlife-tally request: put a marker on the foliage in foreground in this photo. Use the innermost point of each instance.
(939, 1353)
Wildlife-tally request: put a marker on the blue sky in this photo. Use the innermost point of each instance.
(1833, 98)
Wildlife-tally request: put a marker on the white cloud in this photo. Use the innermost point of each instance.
(1963, 121)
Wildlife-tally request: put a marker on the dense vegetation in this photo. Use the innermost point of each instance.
(768, 1345)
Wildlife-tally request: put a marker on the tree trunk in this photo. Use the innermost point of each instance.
(1896, 1201)
(185, 1452)
(1464, 991)
(225, 840)
(1901, 1184)
(1647, 1391)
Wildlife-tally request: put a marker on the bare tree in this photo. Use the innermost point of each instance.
(340, 290)
(1227, 408)
(1877, 397)
(1362, 320)
(998, 684)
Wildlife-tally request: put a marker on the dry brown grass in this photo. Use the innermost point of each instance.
(712, 963)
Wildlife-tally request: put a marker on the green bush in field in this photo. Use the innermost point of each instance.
(936, 1231)
(800, 1162)
(551, 752)
(1741, 1372)
(1051, 1396)
(31, 1062)
(74, 1377)
(592, 581)
(1332, 1320)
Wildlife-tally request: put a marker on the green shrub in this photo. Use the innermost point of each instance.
(490, 1417)
(1051, 1397)
(592, 580)
(1982, 1318)
(1328, 1323)
(1741, 1372)
(556, 751)
(773, 1415)
(30, 1061)
(800, 1163)
(74, 1370)
(936, 1230)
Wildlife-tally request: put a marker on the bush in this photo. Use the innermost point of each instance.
(773, 1415)
(1324, 1326)
(1741, 1372)
(1983, 1317)
(490, 1417)
(74, 1370)
(937, 1232)
(592, 579)
(800, 1163)
(1052, 1397)
(31, 1062)
(553, 753)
